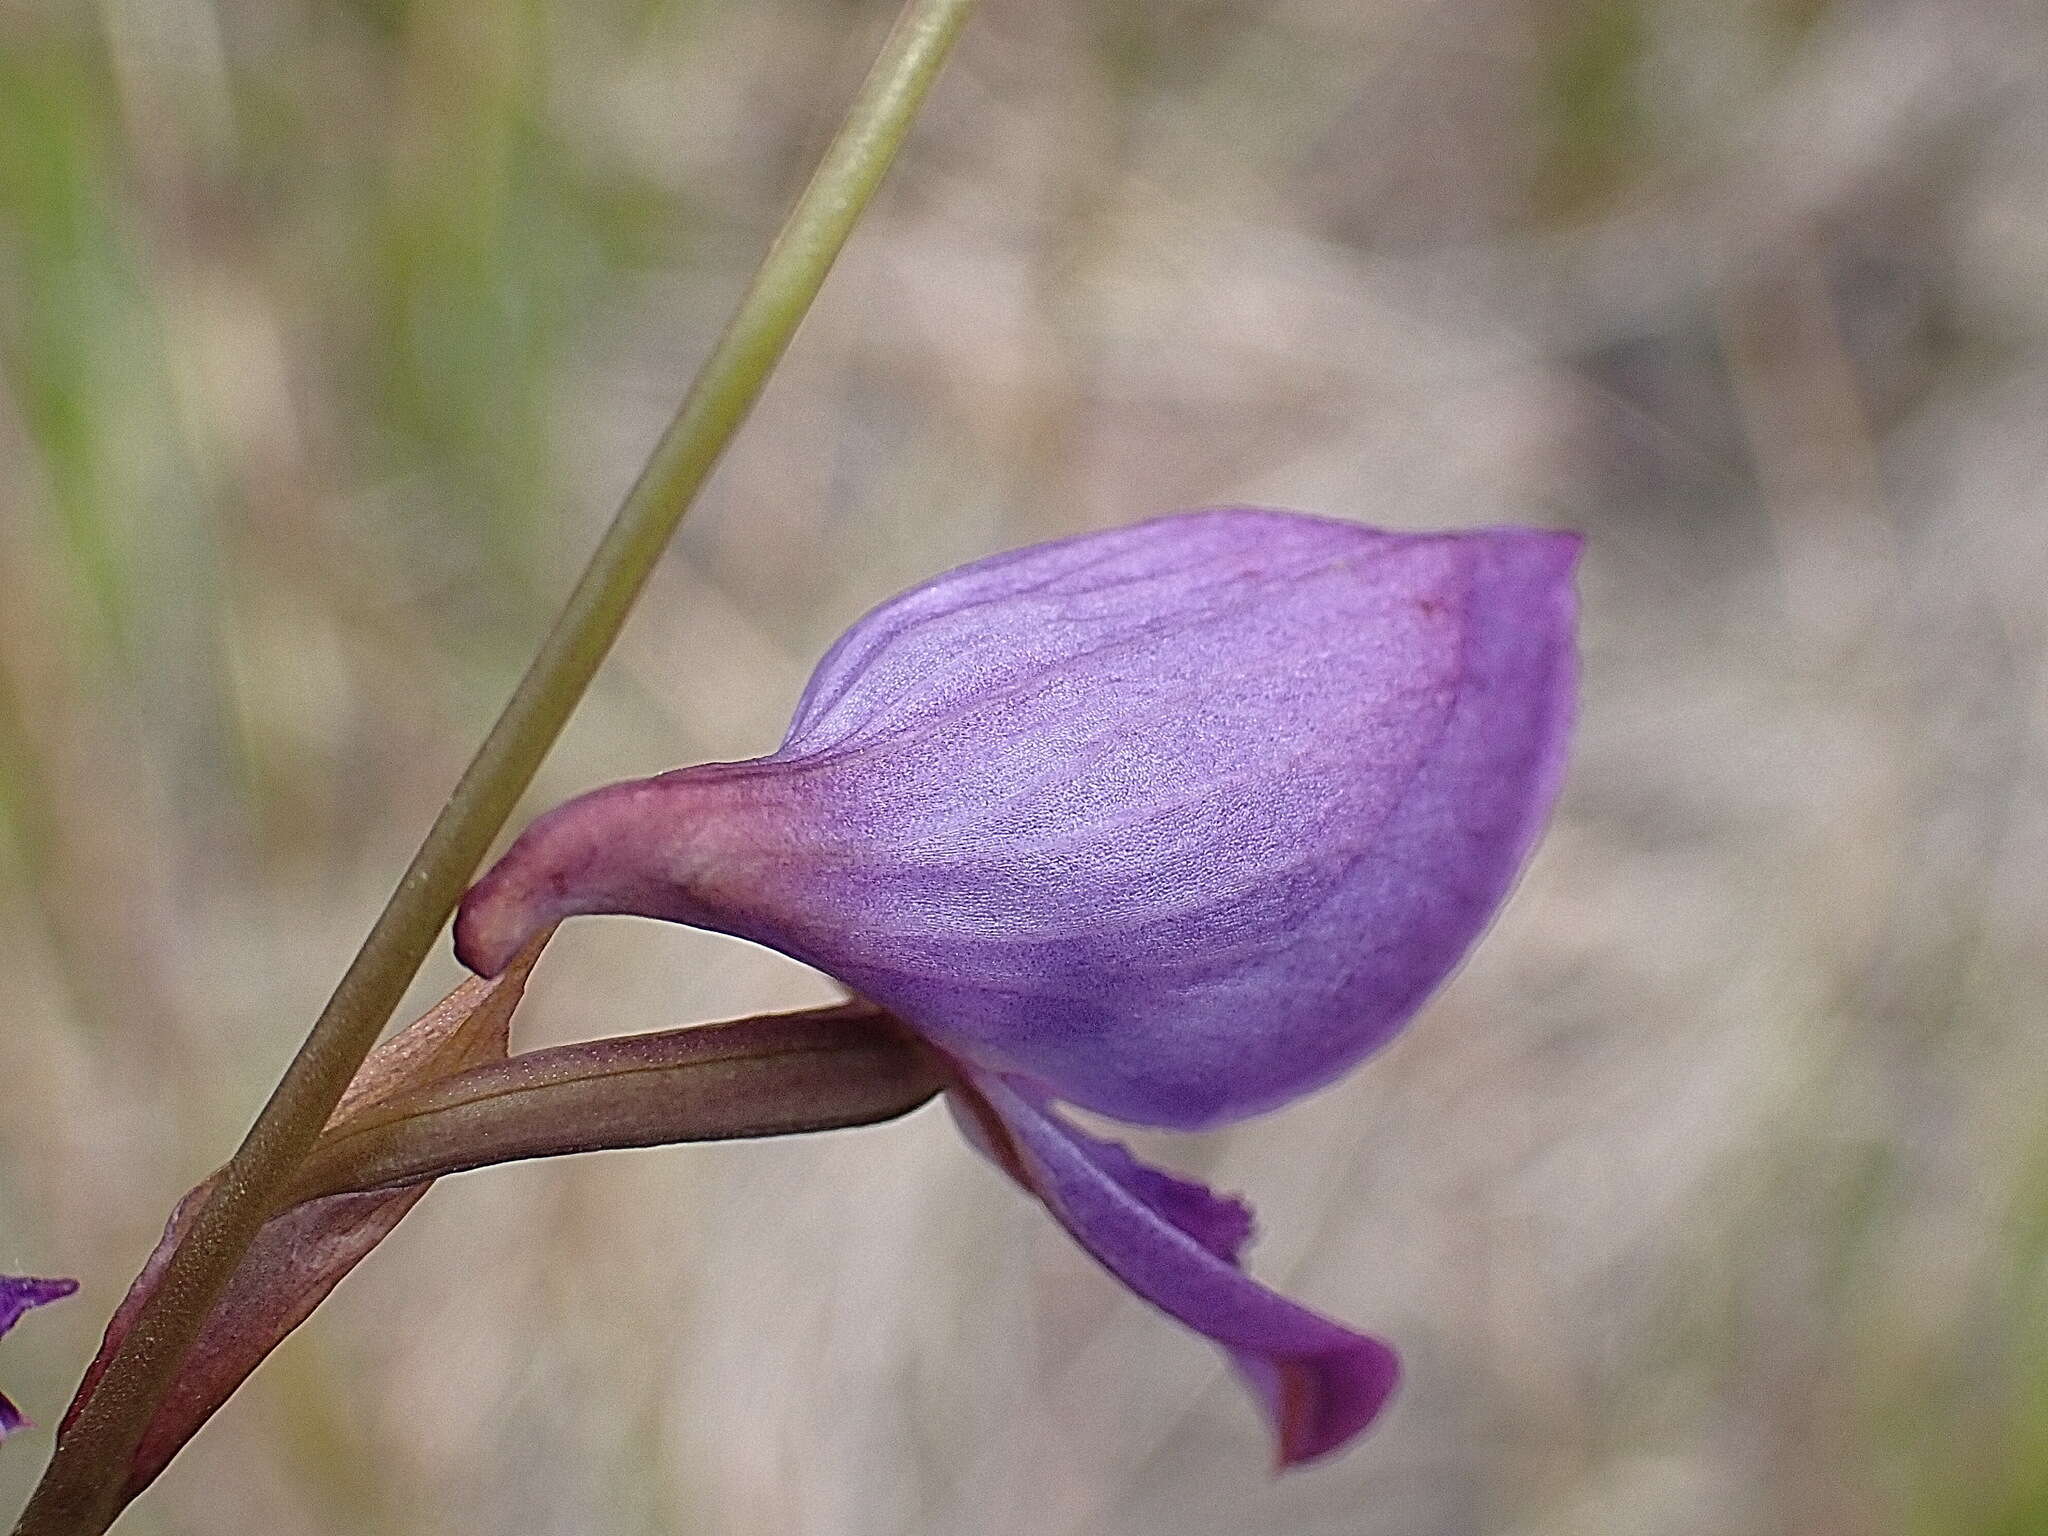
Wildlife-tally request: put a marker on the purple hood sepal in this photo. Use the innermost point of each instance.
(20, 1295)
(1175, 823)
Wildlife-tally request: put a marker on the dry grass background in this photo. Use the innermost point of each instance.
(1711, 1198)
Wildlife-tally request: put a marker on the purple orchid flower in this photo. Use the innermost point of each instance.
(20, 1295)
(1174, 823)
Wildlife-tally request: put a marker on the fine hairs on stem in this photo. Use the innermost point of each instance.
(80, 1492)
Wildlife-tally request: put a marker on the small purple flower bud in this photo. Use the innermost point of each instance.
(18, 1296)
(1175, 823)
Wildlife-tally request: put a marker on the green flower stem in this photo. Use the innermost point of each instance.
(78, 1493)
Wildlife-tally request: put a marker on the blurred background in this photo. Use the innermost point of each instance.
(1712, 1197)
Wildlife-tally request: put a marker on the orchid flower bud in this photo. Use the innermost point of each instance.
(1175, 823)
(20, 1295)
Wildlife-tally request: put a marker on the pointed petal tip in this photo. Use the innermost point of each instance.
(1540, 557)
(1321, 1405)
(1529, 564)
(1566, 547)
(20, 1294)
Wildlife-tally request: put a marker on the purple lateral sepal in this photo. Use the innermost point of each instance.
(1181, 819)
(1177, 1244)
(20, 1294)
